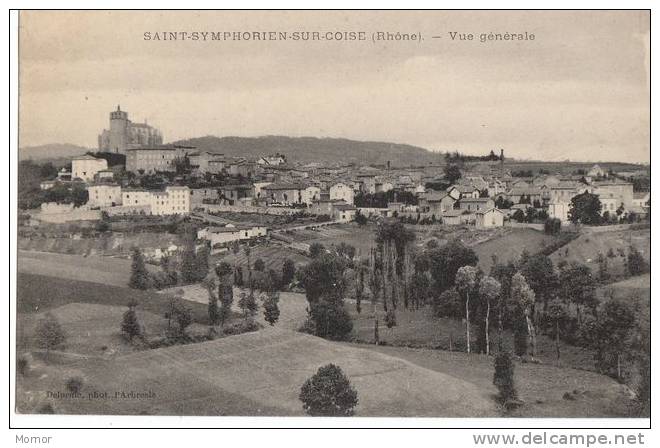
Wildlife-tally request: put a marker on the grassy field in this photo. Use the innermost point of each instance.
(39, 293)
(360, 237)
(510, 245)
(541, 387)
(105, 270)
(252, 374)
(586, 247)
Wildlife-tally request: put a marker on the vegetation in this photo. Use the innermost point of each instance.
(329, 393)
(140, 278)
(503, 378)
(130, 325)
(585, 209)
(49, 333)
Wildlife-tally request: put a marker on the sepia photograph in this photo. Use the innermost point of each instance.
(333, 213)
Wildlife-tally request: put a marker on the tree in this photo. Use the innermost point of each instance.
(189, 263)
(329, 393)
(636, 264)
(271, 308)
(552, 226)
(248, 305)
(259, 265)
(49, 333)
(489, 290)
(214, 311)
(585, 208)
(130, 324)
(182, 314)
(445, 261)
(558, 316)
(139, 275)
(524, 295)
(603, 274)
(288, 272)
(503, 378)
(360, 219)
(577, 286)
(539, 272)
(345, 250)
(466, 279)
(452, 173)
(202, 263)
(316, 249)
(359, 287)
(612, 335)
(390, 318)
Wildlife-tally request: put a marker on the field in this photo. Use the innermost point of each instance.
(105, 270)
(586, 247)
(272, 254)
(253, 374)
(541, 387)
(510, 246)
(362, 238)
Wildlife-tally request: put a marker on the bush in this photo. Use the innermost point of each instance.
(74, 384)
(329, 393)
(240, 327)
(22, 365)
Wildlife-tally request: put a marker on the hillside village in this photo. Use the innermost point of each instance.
(346, 261)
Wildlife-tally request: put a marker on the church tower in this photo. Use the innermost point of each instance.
(118, 130)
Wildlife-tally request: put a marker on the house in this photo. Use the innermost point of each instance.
(596, 171)
(283, 193)
(221, 236)
(104, 195)
(528, 194)
(242, 168)
(155, 158)
(207, 161)
(204, 195)
(640, 198)
(272, 160)
(623, 191)
(343, 212)
(436, 203)
(85, 167)
(457, 217)
(233, 194)
(559, 210)
(174, 200)
(475, 204)
(342, 192)
(489, 218)
(310, 194)
(463, 191)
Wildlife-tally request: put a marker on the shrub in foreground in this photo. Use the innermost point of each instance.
(329, 393)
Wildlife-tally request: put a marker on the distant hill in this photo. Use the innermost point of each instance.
(312, 149)
(52, 151)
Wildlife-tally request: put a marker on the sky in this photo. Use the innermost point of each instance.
(578, 91)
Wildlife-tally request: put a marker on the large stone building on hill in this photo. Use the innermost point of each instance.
(124, 134)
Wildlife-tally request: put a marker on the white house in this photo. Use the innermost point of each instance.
(489, 218)
(85, 167)
(173, 200)
(341, 191)
(104, 195)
